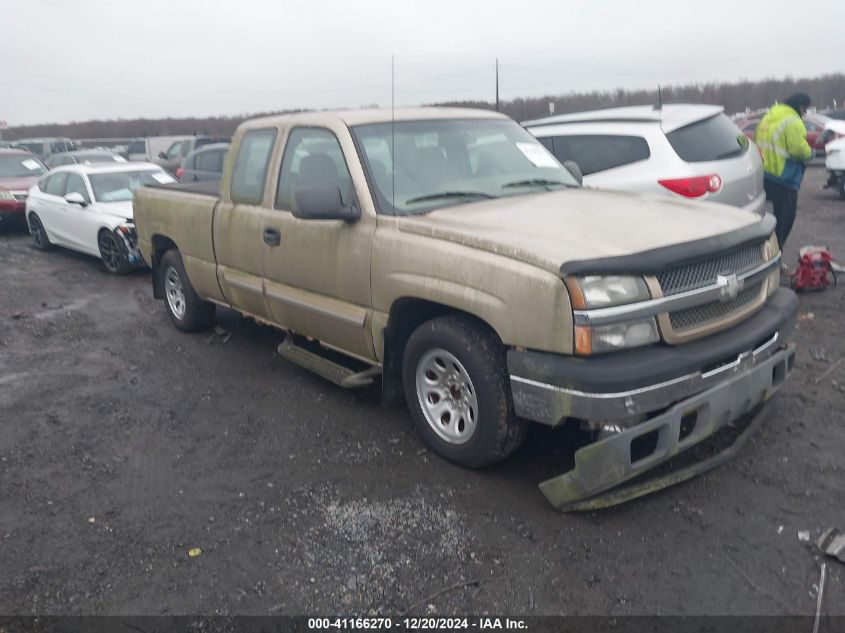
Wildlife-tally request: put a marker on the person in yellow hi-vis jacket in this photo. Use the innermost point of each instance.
(782, 138)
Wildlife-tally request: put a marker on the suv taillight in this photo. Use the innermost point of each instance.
(694, 187)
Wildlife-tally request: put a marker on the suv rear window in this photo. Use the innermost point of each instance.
(715, 138)
(597, 152)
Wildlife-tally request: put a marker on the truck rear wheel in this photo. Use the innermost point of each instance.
(188, 312)
(456, 384)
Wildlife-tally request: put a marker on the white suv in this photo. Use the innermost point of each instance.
(681, 150)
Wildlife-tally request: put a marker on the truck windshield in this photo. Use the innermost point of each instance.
(119, 186)
(418, 166)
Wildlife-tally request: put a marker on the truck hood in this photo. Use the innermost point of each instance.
(551, 229)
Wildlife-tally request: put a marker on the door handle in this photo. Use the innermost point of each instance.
(272, 237)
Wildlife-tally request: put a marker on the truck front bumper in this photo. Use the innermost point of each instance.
(677, 398)
(549, 388)
(607, 463)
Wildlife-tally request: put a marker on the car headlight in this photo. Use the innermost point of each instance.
(606, 291)
(596, 292)
(771, 250)
(617, 336)
(6, 195)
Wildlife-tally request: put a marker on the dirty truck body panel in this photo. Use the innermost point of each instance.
(535, 272)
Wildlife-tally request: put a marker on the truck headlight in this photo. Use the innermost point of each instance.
(617, 336)
(606, 291)
(6, 195)
(770, 250)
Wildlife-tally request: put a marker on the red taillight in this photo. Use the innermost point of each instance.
(693, 187)
(179, 173)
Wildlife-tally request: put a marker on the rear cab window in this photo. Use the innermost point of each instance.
(714, 138)
(598, 152)
(250, 170)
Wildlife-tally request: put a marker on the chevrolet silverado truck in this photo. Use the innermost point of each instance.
(447, 254)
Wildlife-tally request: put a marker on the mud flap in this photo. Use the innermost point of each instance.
(560, 492)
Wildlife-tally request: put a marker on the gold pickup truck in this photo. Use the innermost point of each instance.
(447, 254)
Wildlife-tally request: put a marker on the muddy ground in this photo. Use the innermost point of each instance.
(124, 443)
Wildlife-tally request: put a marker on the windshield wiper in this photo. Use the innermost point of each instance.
(534, 181)
(450, 194)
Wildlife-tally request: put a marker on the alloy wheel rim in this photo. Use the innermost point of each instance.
(447, 396)
(36, 230)
(109, 251)
(175, 293)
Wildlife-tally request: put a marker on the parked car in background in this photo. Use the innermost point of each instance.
(137, 150)
(46, 147)
(84, 156)
(682, 150)
(171, 159)
(835, 163)
(146, 149)
(88, 208)
(819, 132)
(748, 126)
(205, 163)
(19, 170)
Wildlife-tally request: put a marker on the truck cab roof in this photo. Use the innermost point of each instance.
(375, 115)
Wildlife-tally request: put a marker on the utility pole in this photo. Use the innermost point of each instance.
(497, 84)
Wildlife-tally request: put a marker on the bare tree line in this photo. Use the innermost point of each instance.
(825, 91)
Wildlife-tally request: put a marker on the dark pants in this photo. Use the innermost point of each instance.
(785, 201)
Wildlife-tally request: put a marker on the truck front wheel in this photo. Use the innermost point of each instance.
(188, 312)
(455, 376)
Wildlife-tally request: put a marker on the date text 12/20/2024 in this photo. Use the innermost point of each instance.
(417, 624)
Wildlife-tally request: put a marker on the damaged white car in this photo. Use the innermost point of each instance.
(88, 208)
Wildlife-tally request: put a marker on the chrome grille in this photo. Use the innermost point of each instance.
(700, 274)
(713, 312)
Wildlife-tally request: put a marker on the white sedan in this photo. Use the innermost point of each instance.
(88, 208)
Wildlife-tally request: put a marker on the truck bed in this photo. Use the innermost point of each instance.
(203, 188)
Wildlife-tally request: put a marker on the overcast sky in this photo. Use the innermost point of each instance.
(86, 59)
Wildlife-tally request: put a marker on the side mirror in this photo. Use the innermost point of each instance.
(323, 203)
(573, 168)
(162, 155)
(76, 198)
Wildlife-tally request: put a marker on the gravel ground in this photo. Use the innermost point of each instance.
(124, 443)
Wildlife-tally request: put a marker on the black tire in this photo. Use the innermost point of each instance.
(498, 432)
(194, 314)
(113, 252)
(38, 234)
